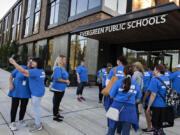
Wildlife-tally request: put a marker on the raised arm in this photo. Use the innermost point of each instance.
(19, 68)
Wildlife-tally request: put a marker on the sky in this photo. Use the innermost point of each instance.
(5, 5)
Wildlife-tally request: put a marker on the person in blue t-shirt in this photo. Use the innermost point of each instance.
(36, 77)
(82, 79)
(126, 93)
(148, 75)
(60, 82)
(20, 94)
(175, 77)
(157, 103)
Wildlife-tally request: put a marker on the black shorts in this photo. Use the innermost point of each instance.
(162, 117)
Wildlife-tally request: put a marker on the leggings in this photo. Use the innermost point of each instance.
(14, 107)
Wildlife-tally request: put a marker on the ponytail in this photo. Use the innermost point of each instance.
(127, 84)
(128, 71)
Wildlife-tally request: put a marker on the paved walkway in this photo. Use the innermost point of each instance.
(86, 118)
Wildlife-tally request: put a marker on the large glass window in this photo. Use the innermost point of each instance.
(37, 16)
(122, 6)
(6, 29)
(27, 27)
(16, 22)
(54, 12)
(112, 4)
(79, 6)
(50, 52)
(27, 18)
(77, 51)
(175, 1)
(141, 4)
(94, 3)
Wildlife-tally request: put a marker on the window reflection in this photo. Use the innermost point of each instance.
(141, 4)
(77, 51)
(94, 3)
(81, 6)
(112, 4)
(175, 1)
(54, 12)
(50, 52)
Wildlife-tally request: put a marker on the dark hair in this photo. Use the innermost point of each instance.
(161, 68)
(62, 56)
(128, 71)
(123, 60)
(39, 62)
(109, 67)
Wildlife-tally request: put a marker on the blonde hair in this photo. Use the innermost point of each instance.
(139, 67)
(59, 62)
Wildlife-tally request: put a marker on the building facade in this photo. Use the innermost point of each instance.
(45, 27)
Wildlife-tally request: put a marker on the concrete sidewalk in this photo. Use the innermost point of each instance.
(86, 118)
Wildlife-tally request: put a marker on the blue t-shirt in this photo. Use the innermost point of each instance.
(175, 77)
(105, 76)
(20, 90)
(157, 86)
(83, 73)
(147, 79)
(59, 73)
(36, 82)
(167, 73)
(119, 96)
(119, 72)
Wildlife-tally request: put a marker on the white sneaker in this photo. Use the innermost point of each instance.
(22, 123)
(12, 126)
(36, 128)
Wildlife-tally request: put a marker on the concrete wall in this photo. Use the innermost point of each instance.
(60, 46)
(92, 56)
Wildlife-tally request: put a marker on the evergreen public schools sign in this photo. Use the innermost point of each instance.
(150, 21)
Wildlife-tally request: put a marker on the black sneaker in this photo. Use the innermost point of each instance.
(59, 116)
(57, 119)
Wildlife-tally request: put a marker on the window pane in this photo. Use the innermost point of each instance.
(52, 13)
(56, 13)
(122, 6)
(141, 4)
(38, 4)
(82, 6)
(14, 33)
(94, 3)
(27, 27)
(15, 16)
(28, 8)
(112, 4)
(19, 15)
(17, 33)
(175, 1)
(73, 7)
(36, 22)
(50, 52)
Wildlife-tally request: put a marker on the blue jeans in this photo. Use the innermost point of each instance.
(122, 127)
(80, 88)
(36, 101)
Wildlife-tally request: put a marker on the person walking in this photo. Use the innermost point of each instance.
(160, 111)
(175, 77)
(36, 77)
(126, 93)
(20, 94)
(100, 82)
(82, 79)
(138, 78)
(60, 82)
(148, 75)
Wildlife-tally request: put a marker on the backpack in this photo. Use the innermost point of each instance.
(100, 77)
(172, 99)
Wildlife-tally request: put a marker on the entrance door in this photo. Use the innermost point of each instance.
(152, 59)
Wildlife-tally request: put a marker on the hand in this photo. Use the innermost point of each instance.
(79, 81)
(68, 82)
(11, 87)
(12, 61)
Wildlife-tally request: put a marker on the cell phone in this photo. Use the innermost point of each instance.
(12, 56)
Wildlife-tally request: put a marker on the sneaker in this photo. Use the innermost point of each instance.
(100, 102)
(36, 128)
(147, 131)
(79, 99)
(12, 126)
(60, 116)
(57, 119)
(22, 123)
(82, 98)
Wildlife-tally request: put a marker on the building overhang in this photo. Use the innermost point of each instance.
(160, 23)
